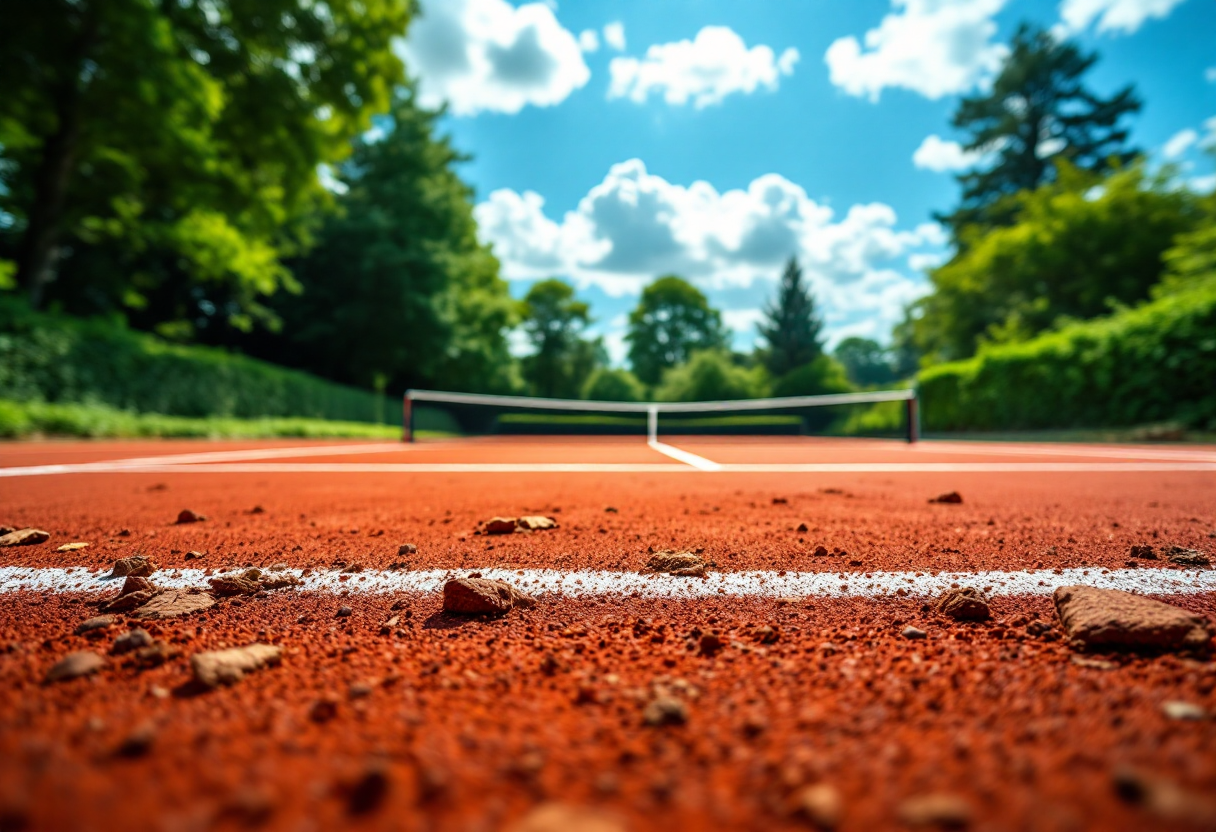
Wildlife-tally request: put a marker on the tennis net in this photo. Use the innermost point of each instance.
(886, 413)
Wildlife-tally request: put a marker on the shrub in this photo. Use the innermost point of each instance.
(610, 385)
(710, 375)
(819, 377)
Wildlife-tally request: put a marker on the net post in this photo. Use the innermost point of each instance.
(407, 421)
(652, 424)
(913, 416)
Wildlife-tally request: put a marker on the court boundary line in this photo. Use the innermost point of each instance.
(687, 457)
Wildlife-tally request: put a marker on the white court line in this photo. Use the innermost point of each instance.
(698, 462)
(761, 584)
(621, 468)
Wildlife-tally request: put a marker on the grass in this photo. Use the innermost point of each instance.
(24, 420)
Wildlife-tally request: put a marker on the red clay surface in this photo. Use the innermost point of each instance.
(449, 724)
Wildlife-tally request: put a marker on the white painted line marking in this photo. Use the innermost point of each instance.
(698, 462)
(597, 582)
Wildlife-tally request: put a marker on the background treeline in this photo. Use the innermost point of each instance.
(147, 184)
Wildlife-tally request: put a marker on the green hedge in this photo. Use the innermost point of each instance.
(1152, 363)
(54, 358)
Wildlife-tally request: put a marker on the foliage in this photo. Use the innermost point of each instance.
(672, 321)
(1037, 113)
(866, 362)
(19, 420)
(819, 377)
(67, 360)
(398, 292)
(791, 326)
(1151, 363)
(562, 359)
(1191, 261)
(162, 157)
(710, 375)
(877, 419)
(1078, 246)
(607, 384)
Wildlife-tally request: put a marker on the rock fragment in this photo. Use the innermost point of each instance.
(1113, 618)
(1143, 552)
(368, 791)
(125, 602)
(141, 566)
(911, 632)
(965, 604)
(187, 516)
(24, 537)
(482, 596)
(192, 555)
(563, 817)
(130, 641)
(226, 667)
(74, 665)
(1164, 799)
(950, 497)
(499, 525)
(1183, 711)
(683, 564)
(93, 626)
(535, 523)
(250, 581)
(406, 549)
(665, 710)
(174, 603)
(821, 804)
(1187, 557)
(72, 547)
(138, 742)
(942, 810)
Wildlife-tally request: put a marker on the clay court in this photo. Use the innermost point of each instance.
(789, 692)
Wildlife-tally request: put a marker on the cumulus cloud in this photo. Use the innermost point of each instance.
(588, 40)
(1179, 143)
(932, 47)
(489, 55)
(1122, 16)
(938, 154)
(614, 35)
(704, 70)
(635, 225)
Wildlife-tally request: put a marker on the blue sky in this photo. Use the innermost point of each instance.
(613, 142)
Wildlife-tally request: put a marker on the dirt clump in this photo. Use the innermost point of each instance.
(482, 596)
(130, 641)
(174, 603)
(1112, 618)
(187, 516)
(683, 564)
(93, 627)
(226, 667)
(140, 566)
(965, 604)
(1143, 552)
(950, 497)
(251, 581)
(1187, 557)
(24, 537)
(74, 665)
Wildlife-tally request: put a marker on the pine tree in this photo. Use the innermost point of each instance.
(791, 326)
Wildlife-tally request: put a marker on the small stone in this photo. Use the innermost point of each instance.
(913, 632)
(72, 547)
(134, 583)
(138, 742)
(1187, 557)
(188, 516)
(1165, 799)
(563, 817)
(820, 552)
(711, 643)
(125, 602)
(73, 665)
(536, 523)
(155, 654)
(249, 582)
(952, 497)
(945, 811)
(1094, 664)
(343, 612)
(610, 509)
(24, 537)
(499, 525)
(192, 555)
(225, 667)
(93, 626)
(766, 634)
(1143, 552)
(368, 791)
(482, 596)
(1113, 618)
(665, 710)
(1183, 711)
(141, 566)
(323, 710)
(406, 549)
(131, 640)
(681, 564)
(821, 804)
(803, 527)
(965, 604)
(174, 603)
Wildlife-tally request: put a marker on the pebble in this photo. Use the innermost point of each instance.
(225, 667)
(1183, 711)
(482, 596)
(140, 566)
(131, 640)
(564, 817)
(406, 549)
(682, 564)
(1187, 557)
(913, 632)
(175, 603)
(188, 516)
(499, 525)
(821, 804)
(73, 665)
(72, 547)
(1113, 618)
(24, 537)
(949, 497)
(536, 523)
(965, 604)
(138, 742)
(940, 810)
(94, 625)
(665, 710)
(343, 612)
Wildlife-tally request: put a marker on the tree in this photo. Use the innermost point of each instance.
(710, 375)
(1037, 113)
(146, 144)
(819, 377)
(866, 361)
(607, 384)
(398, 288)
(562, 358)
(1078, 246)
(791, 326)
(672, 320)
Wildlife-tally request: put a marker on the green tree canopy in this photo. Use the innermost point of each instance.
(711, 375)
(815, 378)
(791, 325)
(672, 320)
(166, 154)
(1038, 112)
(867, 362)
(1078, 246)
(562, 359)
(398, 290)
(608, 384)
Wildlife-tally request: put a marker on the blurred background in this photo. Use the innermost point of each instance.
(271, 217)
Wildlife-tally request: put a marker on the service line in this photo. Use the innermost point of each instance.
(771, 584)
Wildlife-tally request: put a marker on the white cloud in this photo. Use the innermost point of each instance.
(938, 154)
(1203, 184)
(588, 40)
(489, 55)
(704, 70)
(1124, 16)
(1209, 138)
(932, 47)
(634, 226)
(1209, 75)
(614, 35)
(1179, 143)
